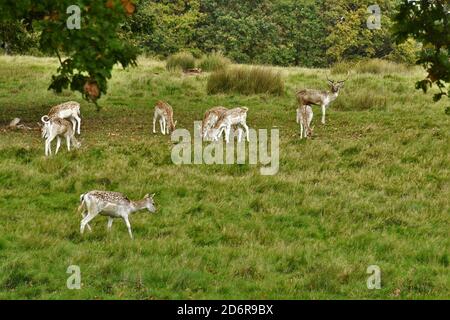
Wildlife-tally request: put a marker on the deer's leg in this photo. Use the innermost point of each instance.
(58, 144)
(74, 124)
(297, 119)
(110, 222)
(87, 225)
(301, 130)
(93, 212)
(164, 125)
(247, 131)
(127, 222)
(161, 125)
(324, 110)
(78, 120)
(68, 139)
(154, 122)
(48, 143)
(46, 147)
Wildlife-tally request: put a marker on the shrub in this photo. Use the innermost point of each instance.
(406, 52)
(214, 62)
(246, 80)
(181, 60)
(373, 66)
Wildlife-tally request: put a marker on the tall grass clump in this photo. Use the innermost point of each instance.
(181, 60)
(214, 62)
(371, 66)
(246, 80)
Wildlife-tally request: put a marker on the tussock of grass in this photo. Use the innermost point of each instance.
(372, 66)
(246, 81)
(214, 62)
(181, 60)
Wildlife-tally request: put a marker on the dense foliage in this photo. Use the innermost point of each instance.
(283, 32)
(428, 22)
(91, 50)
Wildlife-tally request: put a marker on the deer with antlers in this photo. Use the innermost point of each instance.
(320, 97)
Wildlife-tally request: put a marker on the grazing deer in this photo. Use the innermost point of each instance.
(321, 98)
(210, 120)
(164, 112)
(233, 117)
(57, 128)
(68, 110)
(304, 118)
(113, 205)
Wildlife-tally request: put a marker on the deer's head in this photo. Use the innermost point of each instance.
(149, 203)
(335, 86)
(173, 126)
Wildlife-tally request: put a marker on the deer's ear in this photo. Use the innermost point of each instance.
(175, 124)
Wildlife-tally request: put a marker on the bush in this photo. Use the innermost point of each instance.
(181, 60)
(214, 62)
(246, 80)
(406, 52)
(373, 66)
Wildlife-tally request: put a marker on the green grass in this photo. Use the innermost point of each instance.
(181, 60)
(371, 188)
(246, 80)
(214, 62)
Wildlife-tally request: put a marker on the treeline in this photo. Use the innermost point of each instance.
(280, 32)
(277, 32)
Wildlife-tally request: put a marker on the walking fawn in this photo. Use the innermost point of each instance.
(304, 118)
(164, 112)
(113, 205)
(57, 128)
(321, 98)
(68, 110)
(233, 117)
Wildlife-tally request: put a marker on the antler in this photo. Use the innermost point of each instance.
(326, 74)
(348, 76)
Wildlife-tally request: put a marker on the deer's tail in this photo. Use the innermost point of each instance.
(45, 119)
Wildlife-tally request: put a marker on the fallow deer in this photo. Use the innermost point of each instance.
(112, 205)
(210, 120)
(319, 97)
(164, 112)
(304, 118)
(68, 110)
(233, 117)
(58, 128)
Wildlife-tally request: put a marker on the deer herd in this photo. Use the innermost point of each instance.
(64, 121)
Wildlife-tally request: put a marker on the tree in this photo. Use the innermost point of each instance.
(427, 21)
(349, 36)
(87, 54)
(163, 27)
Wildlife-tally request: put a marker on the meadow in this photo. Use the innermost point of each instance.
(370, 188)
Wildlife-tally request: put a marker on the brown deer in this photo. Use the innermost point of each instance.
(164, 112)
(320, 97)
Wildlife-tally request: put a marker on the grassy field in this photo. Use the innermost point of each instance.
(371, 188)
